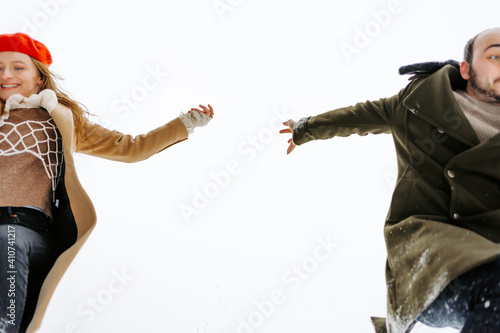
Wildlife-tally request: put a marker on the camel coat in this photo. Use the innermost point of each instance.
(74, 218)
(444, 218)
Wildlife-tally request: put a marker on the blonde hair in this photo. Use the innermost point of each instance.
(80, 113)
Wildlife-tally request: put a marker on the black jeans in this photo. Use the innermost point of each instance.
(26, 256)
(470, 303)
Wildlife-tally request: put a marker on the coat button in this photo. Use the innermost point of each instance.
(450, 173)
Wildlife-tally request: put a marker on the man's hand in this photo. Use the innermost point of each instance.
(290, 123)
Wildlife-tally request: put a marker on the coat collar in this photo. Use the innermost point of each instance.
(432, 99)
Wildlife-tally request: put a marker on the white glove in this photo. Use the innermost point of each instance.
(194, 119)
(46, 99)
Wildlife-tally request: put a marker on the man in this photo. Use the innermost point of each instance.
(443, 227)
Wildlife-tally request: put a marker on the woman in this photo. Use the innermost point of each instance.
(45, 215)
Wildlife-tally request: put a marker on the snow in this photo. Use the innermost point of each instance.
(245, 255)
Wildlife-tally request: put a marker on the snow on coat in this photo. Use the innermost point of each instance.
(444, 218)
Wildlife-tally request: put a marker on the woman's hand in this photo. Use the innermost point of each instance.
(208, 111)
(197, 118)
(291, 124)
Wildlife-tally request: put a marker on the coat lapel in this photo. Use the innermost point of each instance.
(63, 117)
(441, 109)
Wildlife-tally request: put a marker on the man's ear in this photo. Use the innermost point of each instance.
(465, 70)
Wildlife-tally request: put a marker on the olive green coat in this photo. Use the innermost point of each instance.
(444, 218)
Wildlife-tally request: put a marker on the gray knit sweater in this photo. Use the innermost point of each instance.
(483, 117)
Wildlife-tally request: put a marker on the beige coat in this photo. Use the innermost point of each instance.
(104, 143)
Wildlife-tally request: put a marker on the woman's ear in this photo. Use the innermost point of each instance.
(465, 70)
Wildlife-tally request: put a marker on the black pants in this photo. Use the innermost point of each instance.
(470, 303)
(26, 256)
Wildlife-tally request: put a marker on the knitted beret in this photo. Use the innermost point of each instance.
(21, 42)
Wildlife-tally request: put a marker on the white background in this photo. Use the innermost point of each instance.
(257, 63)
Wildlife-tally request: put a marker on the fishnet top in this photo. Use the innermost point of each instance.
(31, 157)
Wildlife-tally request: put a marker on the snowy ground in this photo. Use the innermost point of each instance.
(225, 232)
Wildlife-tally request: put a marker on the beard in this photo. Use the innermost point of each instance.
(488, 94)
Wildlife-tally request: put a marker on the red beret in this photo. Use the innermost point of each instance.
(20, 42)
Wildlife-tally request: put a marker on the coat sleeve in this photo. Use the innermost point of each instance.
(363, 118)
(101, 142)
